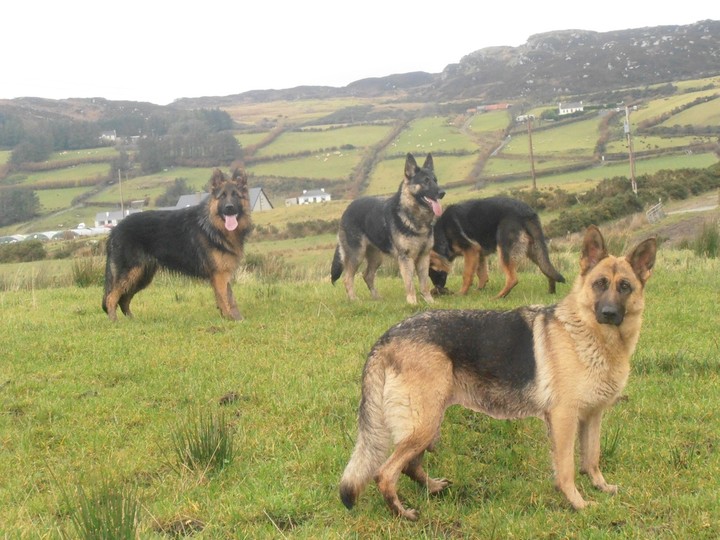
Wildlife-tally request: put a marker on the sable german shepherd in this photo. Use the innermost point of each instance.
(564, 363)
(477, 228)
(204, 241)
(401, 226)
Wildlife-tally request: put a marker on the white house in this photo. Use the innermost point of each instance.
(569, 108)
(313, 196)
(112, 218)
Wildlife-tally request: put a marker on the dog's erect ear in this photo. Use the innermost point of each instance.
(217, 179)
(642, 259)
(240, 178)
(411, 166)
(429, 163)
(593, 251)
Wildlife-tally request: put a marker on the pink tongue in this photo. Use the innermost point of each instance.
(231, 223)
(436, 208)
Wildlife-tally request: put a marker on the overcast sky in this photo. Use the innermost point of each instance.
(161, 51)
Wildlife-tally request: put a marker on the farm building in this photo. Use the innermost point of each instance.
(569, 108)
(111, 218)
(309, 197)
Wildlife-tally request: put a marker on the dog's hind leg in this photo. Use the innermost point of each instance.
(589, 436)
(482, 270)
(374, 260)
(471, 261)
(509, 268)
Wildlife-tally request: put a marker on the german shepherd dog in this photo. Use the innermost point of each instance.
(564, 363)
(204, 241)
(475, 229)
(401, 226)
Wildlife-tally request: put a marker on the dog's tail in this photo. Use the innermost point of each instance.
(336, 269)
(540, 252)
(373, 439)
(109, 278)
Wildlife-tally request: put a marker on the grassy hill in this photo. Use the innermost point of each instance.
(291, 146)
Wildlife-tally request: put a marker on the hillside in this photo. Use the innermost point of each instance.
(547, 66)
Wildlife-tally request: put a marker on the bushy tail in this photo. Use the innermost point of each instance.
(373, 440)
(336, 269)
(540, 251)
(108, 277)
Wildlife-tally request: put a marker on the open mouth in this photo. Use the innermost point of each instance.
(231, 222)
(435, 205)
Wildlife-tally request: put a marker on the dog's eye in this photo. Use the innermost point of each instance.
(624, 287)
(601, 284)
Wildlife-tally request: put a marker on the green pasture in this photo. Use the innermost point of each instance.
(152, 185)
(389, 173)
(58, 199)
(102, 152)
(704, 114)
(643, 143)
(294, 112)
(250, 139)
(85, 401)
(5, 156)
(490, 121)
(293, 142)
(431, 134)
(337, 164)
(660, 106)
(88, 171)
(574, 139)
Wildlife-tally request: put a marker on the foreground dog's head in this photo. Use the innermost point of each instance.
(613, 286)
(230, 197)
(422, 183)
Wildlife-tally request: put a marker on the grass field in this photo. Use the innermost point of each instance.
(85, 401)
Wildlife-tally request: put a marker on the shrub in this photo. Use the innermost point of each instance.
(26, 251)
(204, 442)
(105, 511)
(88, 271)
(707, 243)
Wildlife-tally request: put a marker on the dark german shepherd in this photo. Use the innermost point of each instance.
(401, 226)
(203, 241)
(565, 363)
(475, 229)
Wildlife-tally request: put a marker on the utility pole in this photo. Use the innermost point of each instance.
(631, 155)
(122, 205)
(530, 119)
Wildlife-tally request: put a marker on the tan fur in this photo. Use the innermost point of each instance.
(581, 352)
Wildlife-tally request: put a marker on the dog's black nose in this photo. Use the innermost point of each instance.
(229, 210)
(609, 315)
(441, 194)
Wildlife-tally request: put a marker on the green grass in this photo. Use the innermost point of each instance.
(318, 139)
(83, 398)
(322, 165)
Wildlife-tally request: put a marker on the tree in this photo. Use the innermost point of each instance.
(36, 146)
(17, 205)
(173, 193)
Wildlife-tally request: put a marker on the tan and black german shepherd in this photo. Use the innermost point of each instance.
(475, 229)
(565, 363)
(204, 241)
(401, 226)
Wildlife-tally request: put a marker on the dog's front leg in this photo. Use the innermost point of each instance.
(563, 427)
(590, 452)
(407, 268)
(422, 269)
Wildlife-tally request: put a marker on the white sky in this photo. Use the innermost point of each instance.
(161, 51)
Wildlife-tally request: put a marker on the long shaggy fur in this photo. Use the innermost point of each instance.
(204, 241)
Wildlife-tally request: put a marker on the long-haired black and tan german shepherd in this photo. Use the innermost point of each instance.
(475, 229)
(401, 226)
(204, 241)
(566, 363)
